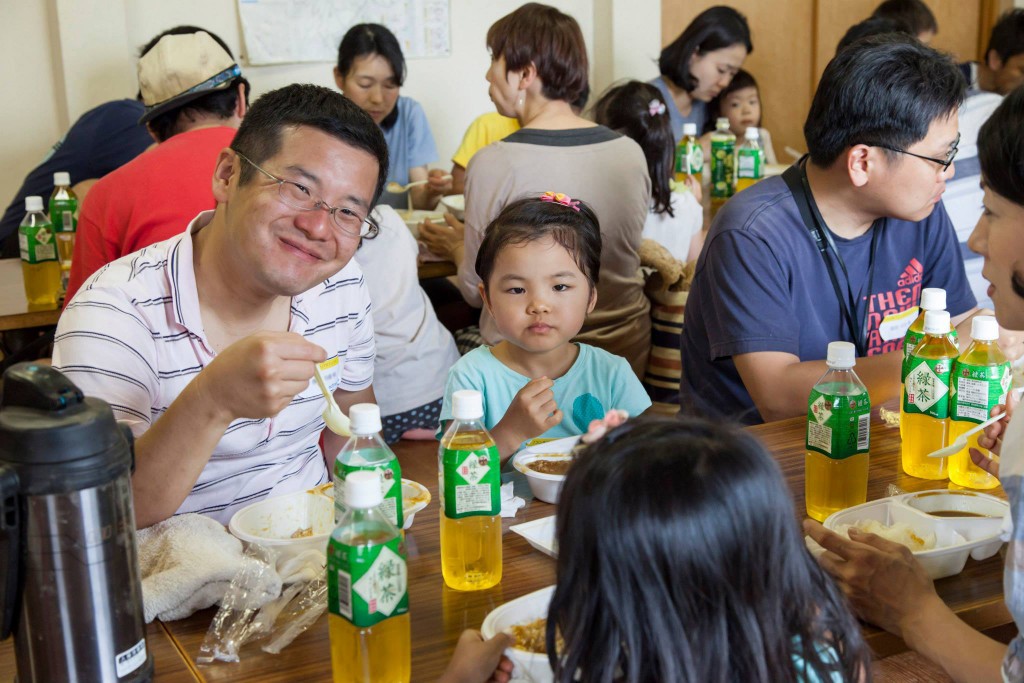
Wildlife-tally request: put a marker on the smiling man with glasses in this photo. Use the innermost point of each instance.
(205, 343)
(839, 247)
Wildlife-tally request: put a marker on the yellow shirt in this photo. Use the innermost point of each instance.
(484, 130)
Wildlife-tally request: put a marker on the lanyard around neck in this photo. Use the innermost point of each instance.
(796, 180)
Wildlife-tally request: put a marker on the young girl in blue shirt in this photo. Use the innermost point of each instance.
(539, 264)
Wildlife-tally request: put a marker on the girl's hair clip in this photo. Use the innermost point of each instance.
(656, 107)
(561, 198)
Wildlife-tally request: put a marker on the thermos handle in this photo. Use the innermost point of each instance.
(10, 550)
(130, 438)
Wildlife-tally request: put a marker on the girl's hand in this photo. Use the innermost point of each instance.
(532, 412)
(991, 438)
(597, 428)
(693, 184)
(476, 660)
(443, 240)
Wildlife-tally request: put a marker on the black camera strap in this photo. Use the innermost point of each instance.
(795, 178)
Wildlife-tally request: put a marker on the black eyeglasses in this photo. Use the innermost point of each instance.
(300, 197)
(944, 163)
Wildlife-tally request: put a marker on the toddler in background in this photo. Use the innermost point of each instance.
(538, 265)
(676, 218)
(698, 515)
(740, 102)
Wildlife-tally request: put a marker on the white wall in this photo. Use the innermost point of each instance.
(87, 51)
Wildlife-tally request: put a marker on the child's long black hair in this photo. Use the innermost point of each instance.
(627, 109)
(680, 559)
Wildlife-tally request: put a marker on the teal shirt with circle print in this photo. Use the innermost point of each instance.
(597, 382)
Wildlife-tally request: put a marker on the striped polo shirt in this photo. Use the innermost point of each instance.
(133, 336)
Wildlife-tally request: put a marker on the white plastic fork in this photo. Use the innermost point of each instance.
(961, 440)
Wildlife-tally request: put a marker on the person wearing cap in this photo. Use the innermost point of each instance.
(836, 249)
(204, 344)
(195, 98)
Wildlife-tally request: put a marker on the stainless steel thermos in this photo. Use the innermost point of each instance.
(69, 572)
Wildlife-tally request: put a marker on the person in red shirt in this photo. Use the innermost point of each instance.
(195, 99)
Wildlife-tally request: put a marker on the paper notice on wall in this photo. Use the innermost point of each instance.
(283, 31)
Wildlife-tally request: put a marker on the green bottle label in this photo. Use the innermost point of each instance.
(366, 584)
(689, 158)
(926, 391)
(390, 486)
(838, 426)
(64, 215)
(976, 389)
(750, 163)
(910, 342)
(471, 482)
(695, 157)
(37, 243)
(723, 157)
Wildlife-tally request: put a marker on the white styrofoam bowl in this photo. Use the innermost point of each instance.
(455, 204)
(271, 522)
(545, 487)
(416, 216)
(529, 666)
(957, 538)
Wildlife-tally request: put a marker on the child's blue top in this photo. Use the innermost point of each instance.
(597, 382)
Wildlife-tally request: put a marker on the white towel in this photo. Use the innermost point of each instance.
(187, 564)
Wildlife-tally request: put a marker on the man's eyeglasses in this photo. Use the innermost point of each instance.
(300, 197)
(944, 163)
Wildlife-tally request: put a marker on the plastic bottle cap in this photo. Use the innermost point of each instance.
(841, 355)
(33, 203)
(722, 122)
(467, 404)
(689, 129)
(61, 178)
(362, 490)
(933, 299)
(752, 133)
(984, 328)
(936, 322)
(365, 418)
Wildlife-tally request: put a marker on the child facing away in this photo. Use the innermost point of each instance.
(697, 514)
(538, 265)
(740, 102)
(676, 218)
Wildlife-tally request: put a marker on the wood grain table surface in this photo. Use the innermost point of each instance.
(14, 309)
(439, 614)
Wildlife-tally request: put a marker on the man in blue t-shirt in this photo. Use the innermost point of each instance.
(836, 249)
(101, 140)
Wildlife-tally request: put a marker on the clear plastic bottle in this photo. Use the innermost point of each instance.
(723, 162)
(838, 436)
(749, 159)
(64, 216)
(925, 422)
(468, 469)
(689, 156)
(367, 450)
(981, 378)
(932, 299)
(40, 269)
(368, 591)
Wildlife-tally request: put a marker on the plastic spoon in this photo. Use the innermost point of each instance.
(961, 440)
(398, 188)
(336, 420)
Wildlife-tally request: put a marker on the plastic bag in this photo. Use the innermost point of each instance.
(255, 607)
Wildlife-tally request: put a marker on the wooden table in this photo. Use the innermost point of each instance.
(439, 614)
(15, 313)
